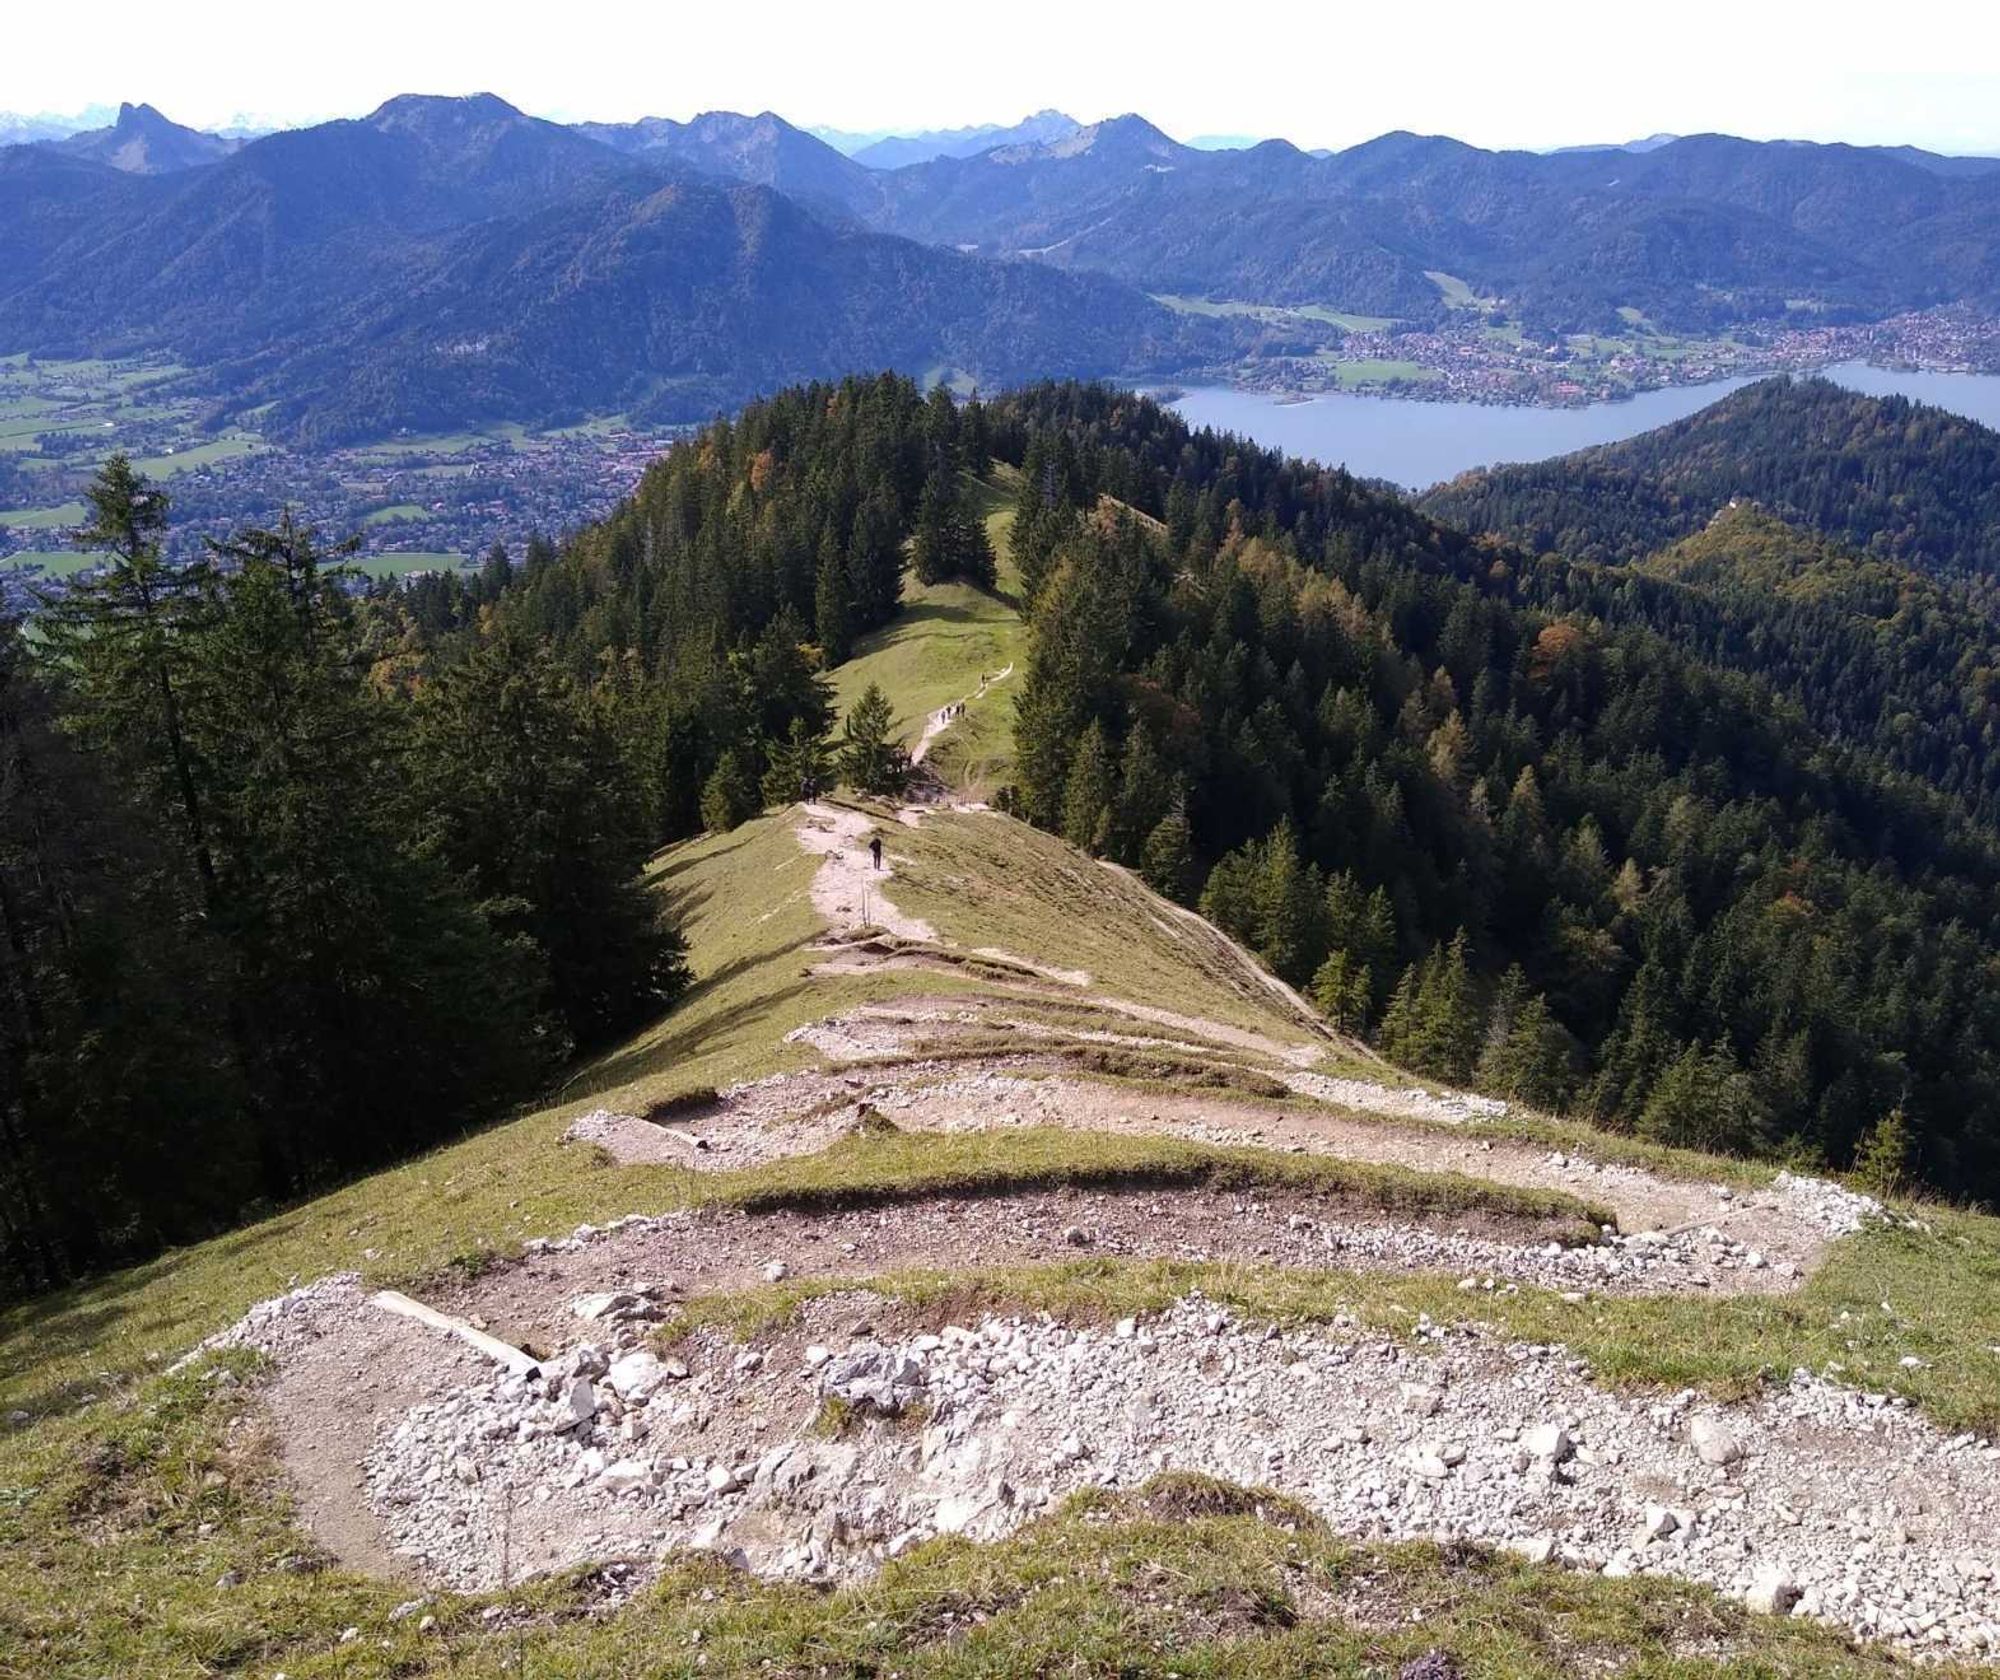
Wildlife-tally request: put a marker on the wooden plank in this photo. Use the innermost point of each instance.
(501, 1353)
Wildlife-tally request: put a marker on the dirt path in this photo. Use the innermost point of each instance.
(1786, 1228)
(847, 887)
(945, 716)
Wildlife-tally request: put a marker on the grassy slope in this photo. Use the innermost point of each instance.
(947, 638)
(100, 1500)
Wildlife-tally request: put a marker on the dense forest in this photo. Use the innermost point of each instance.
(1892, 479)
(299, 874)
(1563, 856)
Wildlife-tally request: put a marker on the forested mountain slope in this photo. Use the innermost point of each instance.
(1892, 479)
(451, 260)
(980, 1131)
(1402, 761)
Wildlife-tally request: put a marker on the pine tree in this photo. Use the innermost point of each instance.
(378, 1002)
(1400, 1036)
(1089, 792)
(1289, 914)
(124, 645)
(831, 591)
(1885, 1157)
(1167, 863)
(871, 761)
(800, 767)
(1704, 1101)
(730, 794)
(949, 541)
(1341, 991)
(524, 792)
(1145, 794)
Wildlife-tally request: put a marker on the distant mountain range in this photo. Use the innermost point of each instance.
(885, 150)
(447, 260)
(444, 261)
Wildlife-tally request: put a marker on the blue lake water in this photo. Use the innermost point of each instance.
(1417, 444)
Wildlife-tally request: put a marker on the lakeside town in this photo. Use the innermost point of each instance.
(1474, 358)
(427, 504)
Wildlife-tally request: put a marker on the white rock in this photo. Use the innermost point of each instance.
(1713, 1444)
(1773, 1593)
(1550, 1441)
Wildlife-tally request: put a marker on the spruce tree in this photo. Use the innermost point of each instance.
(1341, 991)
(831, 591)
(729, 796)
(800, 767)
(125, 643)
(871, 760)
(1167, 862)
(522, 790)
(1089, 792)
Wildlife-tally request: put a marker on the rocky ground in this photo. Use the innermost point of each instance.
(854, 1433)
(862, 1426)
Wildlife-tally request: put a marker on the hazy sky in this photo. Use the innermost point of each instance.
(1537, 73)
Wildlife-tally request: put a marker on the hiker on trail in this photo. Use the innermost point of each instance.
(875, 849)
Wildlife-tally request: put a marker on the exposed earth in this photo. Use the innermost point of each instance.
(829, 1425)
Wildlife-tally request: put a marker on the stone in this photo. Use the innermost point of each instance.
(1658, 1523)
(626, 1474)
(637, 1375)
(1421, 1399)
(1712, 1442)
(1773, 1593)
(1550, 1441)
(722, 1479)
(579, 1402)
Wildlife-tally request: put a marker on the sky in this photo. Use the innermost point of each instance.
(1535, 74)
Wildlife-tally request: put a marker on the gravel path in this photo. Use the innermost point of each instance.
(847, 887)
(1810, 1499)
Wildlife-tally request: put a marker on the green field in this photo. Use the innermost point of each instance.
(197, 455)
(1276, 313)
(402, 565)
(43, 519)
(394, 515)
(1380, 371)
(55, 562)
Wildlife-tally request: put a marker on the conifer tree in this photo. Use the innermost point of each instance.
(1341, 991)
(1145, 795)
(730, 795)
(800, 767)
(125, 643)
(1885, 1157)
(871, 761)
(831, 591)
(1089, 792)
(1167, 863)
(524, 792)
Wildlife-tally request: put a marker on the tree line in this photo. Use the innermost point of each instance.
(299, 875)
(1558, 855)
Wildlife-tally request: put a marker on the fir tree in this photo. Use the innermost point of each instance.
(871, 761)
(526, 794)
(831, 591)
(800, 767)
(1342, 992)
(1089, 792)
(1167, 862)
(1885, 1157)
(730, 794)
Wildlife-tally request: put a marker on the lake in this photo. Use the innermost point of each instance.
(1417, 444)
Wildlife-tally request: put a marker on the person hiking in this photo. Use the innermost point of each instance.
(875, 849)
